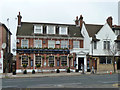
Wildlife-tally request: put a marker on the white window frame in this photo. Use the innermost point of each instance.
(22, 42)
(107, 48)
(64, 61)
(49, 46)
(35, 60)
(53, 29)
(95, 44)
(35, 26)
(53, 61)
(22, 60)
(37, 44)
(60, 32)
(75, 45)
(64, 43)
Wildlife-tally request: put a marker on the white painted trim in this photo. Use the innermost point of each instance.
(45, 37)
(41, 26)
(61, 32)
(27, 42)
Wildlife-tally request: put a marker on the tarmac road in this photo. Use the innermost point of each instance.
(81, 81)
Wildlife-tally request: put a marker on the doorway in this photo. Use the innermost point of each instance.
(80, 63)
(118, 64)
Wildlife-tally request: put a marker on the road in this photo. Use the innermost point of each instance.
(82, 81)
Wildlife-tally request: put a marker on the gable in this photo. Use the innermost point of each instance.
(106, 33)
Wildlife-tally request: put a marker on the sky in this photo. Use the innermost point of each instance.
(56, 11)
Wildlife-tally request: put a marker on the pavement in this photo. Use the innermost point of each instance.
(54, 74)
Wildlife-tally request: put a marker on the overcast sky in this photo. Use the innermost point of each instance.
(58, 11)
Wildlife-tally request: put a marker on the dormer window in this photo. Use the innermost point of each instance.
(63, 30)
(51, 29)
(38, 29)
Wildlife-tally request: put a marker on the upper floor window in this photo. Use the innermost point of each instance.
(50, 29)
(76, 44)
(118, 45)
(95, 44)
(38, 29)
(64, 44)
(51, 44)
(63, 30)
(107, 45)
(117, 32)
(38, 43)
(24, 43)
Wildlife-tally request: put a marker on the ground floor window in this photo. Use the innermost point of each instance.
(63, 60)
(105, 60)
(25, 60)
(51, 61)
(37, 60)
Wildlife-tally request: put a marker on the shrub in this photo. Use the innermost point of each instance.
(25, 72)
(33, 71)
(58, 71)
(68, 70)
(76, 70)
(14, 72)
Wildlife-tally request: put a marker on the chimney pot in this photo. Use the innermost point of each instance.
(19, 19)
(109, 21)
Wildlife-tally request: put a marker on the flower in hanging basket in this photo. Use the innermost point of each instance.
(38, 65)
(70, 56)
(42, 57)
(47, 57)
(56, 57)
(51, 65)
(24, 65)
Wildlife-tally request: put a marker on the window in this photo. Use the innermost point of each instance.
(64, 44)
(63, 60)
(51, 44)
(25, 60)
(107, 45)
(105, 60)
(38, 29)
(76, 44)
(118, 45)
(37, 60)
(51, 61)
(95, 45)
(117, 32)
(24, 43)
(38, 43)
(63, 30)
(50, 29)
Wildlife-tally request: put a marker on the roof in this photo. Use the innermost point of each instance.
(93, 29)
(27, 29)
(1, 24)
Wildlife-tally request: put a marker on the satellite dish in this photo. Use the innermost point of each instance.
(3, 45)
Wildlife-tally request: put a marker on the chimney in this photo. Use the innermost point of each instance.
(19, 20)
(81, 21)
(109, 21)
(76, 21)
